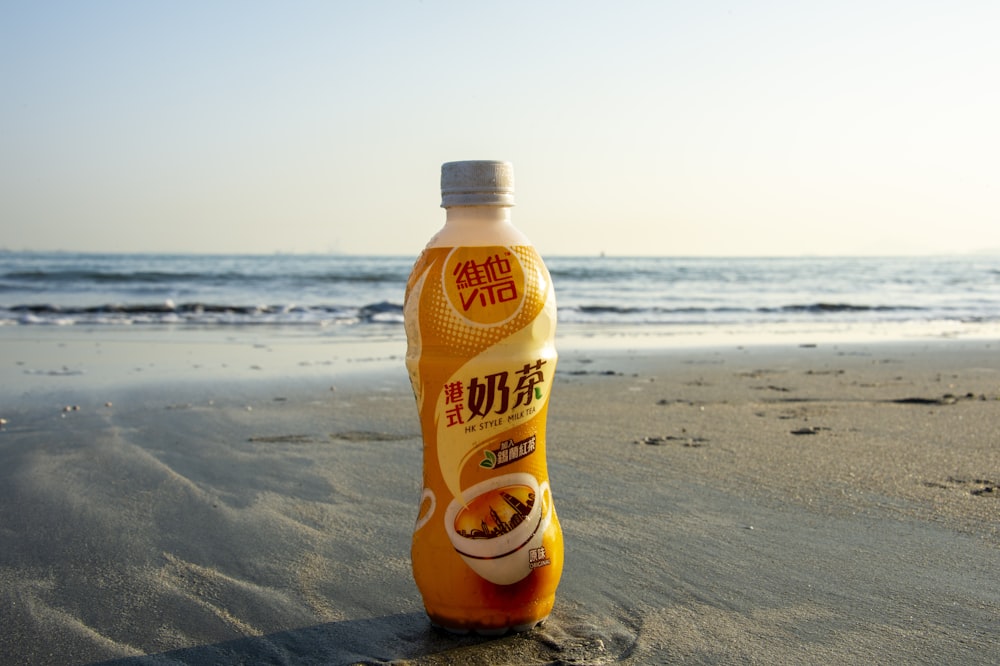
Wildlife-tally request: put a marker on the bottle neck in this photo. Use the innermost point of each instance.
(478, 225)
(477, 215)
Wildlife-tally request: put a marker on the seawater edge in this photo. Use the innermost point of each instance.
(40, 357)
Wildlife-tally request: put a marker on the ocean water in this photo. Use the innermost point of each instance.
(357, 294)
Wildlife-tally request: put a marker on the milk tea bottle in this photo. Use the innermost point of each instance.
(480, 322)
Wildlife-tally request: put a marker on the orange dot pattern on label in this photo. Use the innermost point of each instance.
(484, 285)
(467, 336)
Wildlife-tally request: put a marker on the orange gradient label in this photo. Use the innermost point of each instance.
(480, 323)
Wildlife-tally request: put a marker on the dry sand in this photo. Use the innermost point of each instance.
(785, 504)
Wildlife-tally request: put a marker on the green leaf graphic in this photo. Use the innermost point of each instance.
(538, 393)
(490, 460)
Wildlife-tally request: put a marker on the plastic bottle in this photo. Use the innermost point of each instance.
(480, 319)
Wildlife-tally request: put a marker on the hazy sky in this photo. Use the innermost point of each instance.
(658, 128)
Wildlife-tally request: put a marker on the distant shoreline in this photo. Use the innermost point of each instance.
(977, 253)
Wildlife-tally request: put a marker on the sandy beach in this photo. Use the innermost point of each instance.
(248, 498)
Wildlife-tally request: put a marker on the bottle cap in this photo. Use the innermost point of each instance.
(477, 183)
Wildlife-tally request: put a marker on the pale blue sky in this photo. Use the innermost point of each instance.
(660, 128)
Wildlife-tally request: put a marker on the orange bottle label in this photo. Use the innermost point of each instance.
(487, 547)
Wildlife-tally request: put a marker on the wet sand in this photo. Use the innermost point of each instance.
(195, 500)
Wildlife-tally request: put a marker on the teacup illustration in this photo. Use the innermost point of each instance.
(498, 522)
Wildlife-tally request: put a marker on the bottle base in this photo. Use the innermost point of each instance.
(492, 632)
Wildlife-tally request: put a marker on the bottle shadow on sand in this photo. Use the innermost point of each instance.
(400, 639)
